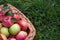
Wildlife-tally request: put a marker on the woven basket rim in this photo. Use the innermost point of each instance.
(32, 32)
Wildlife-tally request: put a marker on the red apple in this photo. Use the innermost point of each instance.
(23, 25)
(11, 39)
(7, 21)
(21, 35)
(17, 16)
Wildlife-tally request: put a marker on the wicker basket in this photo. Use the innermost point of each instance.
(32, 31)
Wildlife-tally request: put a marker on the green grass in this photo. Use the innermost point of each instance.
(44, 14)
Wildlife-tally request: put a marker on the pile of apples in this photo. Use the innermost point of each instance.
(13, 28)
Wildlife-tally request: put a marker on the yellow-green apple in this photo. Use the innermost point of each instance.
(14, 29)
(4, 30)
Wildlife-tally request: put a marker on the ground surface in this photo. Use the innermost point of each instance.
(44, 14)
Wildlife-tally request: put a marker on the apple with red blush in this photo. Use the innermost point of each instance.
(7, 21)
(23, 25)
(21, 35)
(17, 16)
